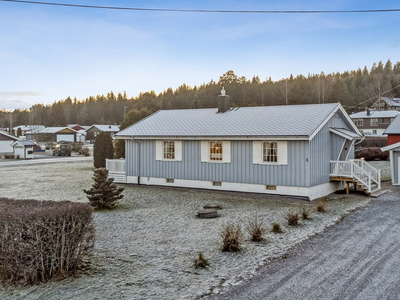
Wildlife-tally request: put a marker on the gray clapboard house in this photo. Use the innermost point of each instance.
(300, 150)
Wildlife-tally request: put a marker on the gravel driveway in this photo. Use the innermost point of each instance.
(357, 259)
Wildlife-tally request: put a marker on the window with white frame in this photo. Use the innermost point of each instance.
(374, 122)
(216, 150)
(169, 149)
(374, 131)
(358, 122)
(270, 151)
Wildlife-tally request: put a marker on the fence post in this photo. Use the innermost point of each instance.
(379, 178)
(369, 182)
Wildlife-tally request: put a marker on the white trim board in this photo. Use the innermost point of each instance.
(311, 192)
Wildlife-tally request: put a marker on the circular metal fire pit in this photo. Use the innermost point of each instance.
(207, 213)
(212, 206)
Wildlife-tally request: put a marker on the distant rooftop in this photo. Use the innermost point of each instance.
(375, 114)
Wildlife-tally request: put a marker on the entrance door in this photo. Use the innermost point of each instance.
(344, 154)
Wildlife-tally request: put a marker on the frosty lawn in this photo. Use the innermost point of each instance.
(145, 248)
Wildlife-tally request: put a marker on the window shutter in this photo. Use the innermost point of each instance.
(257, 152)
(178, 150)
(205, 151)
(282, 153)
(159, 150)
(226, 151)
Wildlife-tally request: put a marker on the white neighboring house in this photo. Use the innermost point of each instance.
(6, 141)
(373, 122)
(29, 128)
(23, 149)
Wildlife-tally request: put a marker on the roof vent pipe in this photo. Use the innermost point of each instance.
(368, 112)
(223, 102)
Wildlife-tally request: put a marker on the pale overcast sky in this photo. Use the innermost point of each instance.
(48, 53)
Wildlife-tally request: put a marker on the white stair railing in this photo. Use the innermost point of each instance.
(359, 170)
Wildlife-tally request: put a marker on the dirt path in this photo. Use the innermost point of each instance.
(357, 259)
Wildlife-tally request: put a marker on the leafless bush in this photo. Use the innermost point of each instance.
(200, 261)
(40, 240)
(321, 206)
(276, 227)
(84, 151)
(232, 238)
(292, 216)
(305, 213)
(371, 153)
(256, 230)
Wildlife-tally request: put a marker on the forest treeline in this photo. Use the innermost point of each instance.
(355, 90)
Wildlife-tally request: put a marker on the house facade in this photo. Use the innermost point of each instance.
(387, 103)
(53, 134)
(94, 130)
(284, 150)
(393, 131)
(6, 141)
(373, 122)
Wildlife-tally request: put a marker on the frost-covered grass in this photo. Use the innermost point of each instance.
(145, 248)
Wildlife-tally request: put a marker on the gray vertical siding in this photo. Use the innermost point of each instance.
(324, 147)
(308, 162)
(240, 170)
(396, 156)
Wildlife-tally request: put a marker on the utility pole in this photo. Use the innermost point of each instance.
(10, 123)
(125, 110)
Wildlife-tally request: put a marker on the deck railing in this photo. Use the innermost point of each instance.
(357, 169)
(115, 165)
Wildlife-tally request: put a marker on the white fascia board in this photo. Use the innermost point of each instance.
(338, 107)
(218, 138)
(343, 134)
(390, 147)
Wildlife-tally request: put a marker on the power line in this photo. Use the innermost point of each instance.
(210, 10)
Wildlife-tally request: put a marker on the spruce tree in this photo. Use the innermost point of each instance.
(104, 192)
(103, 149)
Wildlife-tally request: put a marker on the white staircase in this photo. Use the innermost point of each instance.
(357, 171)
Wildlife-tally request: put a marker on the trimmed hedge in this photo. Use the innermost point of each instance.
(373, 142)
(40, 240)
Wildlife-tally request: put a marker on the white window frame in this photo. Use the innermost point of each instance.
(160, 151)
(270, 152)
(374, 131)
(359, 122)
(206, 154)
(169, 150)
(282, 153)
(216, 150)
(374, 121)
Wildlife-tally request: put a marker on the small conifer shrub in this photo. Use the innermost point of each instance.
(104, 193)
(305, 214)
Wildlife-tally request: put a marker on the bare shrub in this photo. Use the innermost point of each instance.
(232, 238)
(292, 216)
(276, 227)
(40, 240)
(371, 153)
(84, 151)
(321, 206)
(256, 230)
(305, 214)
(200, 261)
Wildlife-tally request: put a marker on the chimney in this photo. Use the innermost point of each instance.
(109, 126)
(368, 112)
(223, 102)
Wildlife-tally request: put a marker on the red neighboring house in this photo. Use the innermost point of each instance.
(393, 131)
